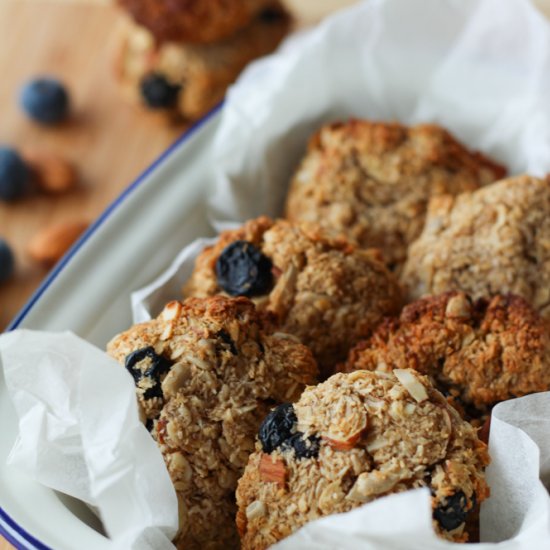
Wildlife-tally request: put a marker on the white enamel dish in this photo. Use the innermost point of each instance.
(88, 293)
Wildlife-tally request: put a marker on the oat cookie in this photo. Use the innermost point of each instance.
(194, 21)
(372, 180)
(352, 439)
(207, 371)
(494, 240)
(187, 80)
(477, 353)
(320, 289)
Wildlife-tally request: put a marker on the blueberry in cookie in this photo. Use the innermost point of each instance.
(368, 434)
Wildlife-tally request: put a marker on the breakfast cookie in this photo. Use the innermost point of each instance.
(188, 80)
(371, 181)
(207, 372)
(194, 21)
(320, 289)
(494, 240)
(354, 438)
(477, 353)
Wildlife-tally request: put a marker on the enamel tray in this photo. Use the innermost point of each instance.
(88, 293)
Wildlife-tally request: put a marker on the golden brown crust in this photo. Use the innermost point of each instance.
(226, 368)
(326, 293)
(404, 436)
(493, 240)
(204, 71)
(372, 180)
(477, 353)
(193, 21)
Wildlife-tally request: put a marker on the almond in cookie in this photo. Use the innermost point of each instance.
(389, 442)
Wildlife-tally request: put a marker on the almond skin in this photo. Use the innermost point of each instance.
(52, 173)
(273, 470)
(51, 242)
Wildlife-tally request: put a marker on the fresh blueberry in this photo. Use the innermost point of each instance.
(453, 512)
(7, 262)
(45, 100)
(242, 270)
(303, 447)
(277, 427)
(14, 175)
(157, 92)
(158, 366)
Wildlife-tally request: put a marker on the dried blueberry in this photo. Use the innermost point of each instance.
(45, 100)
(7, 262)
(272, 15)
(453, 512)
(158, 366)
(14, 175)
(227, 340)
(303, 447)
(277, 427)
(242, 270)
(158, 92)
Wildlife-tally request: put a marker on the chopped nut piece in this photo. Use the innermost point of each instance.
(272, 469)
(255, 509)
(411, 384)
(459, 306)
(171, 311)
(342, 428)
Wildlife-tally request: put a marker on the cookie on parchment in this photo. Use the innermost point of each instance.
(476, 352)
(352, 439)
(490, 241)
(207, 371)
(187, 80)
(371, 181)
(322, 290)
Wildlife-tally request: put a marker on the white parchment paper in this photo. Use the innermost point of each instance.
(80, 433)
(479, 67)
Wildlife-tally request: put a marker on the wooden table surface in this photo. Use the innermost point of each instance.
(110, 141)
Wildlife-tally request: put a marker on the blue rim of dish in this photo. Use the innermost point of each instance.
(8, 527)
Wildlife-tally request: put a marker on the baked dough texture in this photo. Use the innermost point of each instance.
(202, 71)
(193, 21)
(477, 353)
(490, 241)
(207, 371)
(364, 435)
(371, 181)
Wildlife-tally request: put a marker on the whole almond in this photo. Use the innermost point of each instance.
(50, 243)
(52, 173)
